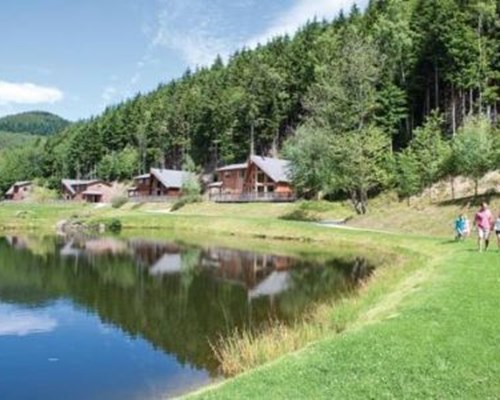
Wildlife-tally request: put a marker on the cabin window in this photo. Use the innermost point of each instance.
(242, 173)
(260, 177)
(270, 189)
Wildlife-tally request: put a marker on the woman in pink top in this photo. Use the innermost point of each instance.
(483, 222)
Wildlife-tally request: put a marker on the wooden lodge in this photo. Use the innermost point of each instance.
(159, 184)
(230, 179)
(98, 192)
(259, 179)
(73, 189)
(19, 191)
(91, 190)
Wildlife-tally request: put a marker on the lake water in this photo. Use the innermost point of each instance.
(109, 318)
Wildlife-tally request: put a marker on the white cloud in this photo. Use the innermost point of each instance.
(15, 322)
(108, 94)
(199, 30)
(28, 93)
(198, 48)
(303, 10)
(194, 28)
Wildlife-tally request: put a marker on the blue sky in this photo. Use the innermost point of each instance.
(74, 57)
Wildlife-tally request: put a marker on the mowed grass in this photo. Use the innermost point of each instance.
(425, 327)
(25, 215)
(438, 338)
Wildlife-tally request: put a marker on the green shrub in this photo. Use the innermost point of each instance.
(119, 201)
(114, 225)
(42, 194)
(317, 206)
(300, 215)
(185, 200)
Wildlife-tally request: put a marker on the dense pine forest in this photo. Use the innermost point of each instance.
(33, 123)
(398, 96)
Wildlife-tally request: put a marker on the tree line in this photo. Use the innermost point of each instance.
(33, 123)
(353, 102)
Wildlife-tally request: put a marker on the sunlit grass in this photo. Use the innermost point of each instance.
(247, 349)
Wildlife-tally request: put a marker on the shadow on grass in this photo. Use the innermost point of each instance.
(450, 241)
(470, 201)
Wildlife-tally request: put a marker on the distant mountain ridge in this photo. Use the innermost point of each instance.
(40, 123)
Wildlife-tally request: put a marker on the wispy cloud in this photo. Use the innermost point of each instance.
(303, 10)
(28, 93)
(14, 322)
(108, 94)
(199, 30)
(195, 28)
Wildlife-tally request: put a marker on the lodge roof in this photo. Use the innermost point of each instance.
(92, 193)
(277, 169)
(143, 176)
(215, 184)
(70, 183)
(171, 178)
(18, 184)
(232, 167)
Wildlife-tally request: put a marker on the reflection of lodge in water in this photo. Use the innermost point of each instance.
(179, 297)
(259, 274)
(17, 242)
(93, 247)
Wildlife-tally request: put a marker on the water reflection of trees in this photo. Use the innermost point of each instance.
(179, 297)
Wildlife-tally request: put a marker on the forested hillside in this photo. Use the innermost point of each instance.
(34, 123)
(378, 96)
(9, 140)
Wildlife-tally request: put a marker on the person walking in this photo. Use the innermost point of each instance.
(497, 230)
(460, 227)
(466, 226)
(483, 222)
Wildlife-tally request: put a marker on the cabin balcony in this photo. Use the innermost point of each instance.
(253, 197)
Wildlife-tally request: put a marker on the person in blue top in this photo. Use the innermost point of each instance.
(461, 227)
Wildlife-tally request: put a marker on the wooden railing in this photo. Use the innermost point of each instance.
(252, 197)
(153, 199)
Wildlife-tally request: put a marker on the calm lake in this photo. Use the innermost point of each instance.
(111, 318)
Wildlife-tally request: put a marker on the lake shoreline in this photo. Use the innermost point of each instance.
(324, 321)
(420, 273)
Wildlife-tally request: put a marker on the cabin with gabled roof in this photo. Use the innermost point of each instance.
(159, 183)
(98, 192)
(267, 175)
(72, 189)
(19, 191)
(230, 179)
(259, 179)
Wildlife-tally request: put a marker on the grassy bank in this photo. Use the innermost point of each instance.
(246, 350)
(386, 213)
(437, 337)
(425, 327)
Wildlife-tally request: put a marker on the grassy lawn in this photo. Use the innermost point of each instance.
(434, 335)
(427, 325)
(23, 215)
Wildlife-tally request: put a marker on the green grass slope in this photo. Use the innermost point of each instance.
(431, 333)
(439, 338)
